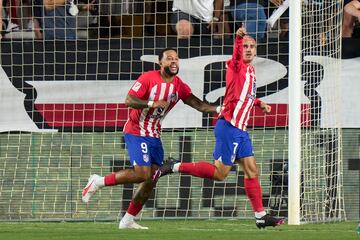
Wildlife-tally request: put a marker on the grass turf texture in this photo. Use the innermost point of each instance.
(175, 229)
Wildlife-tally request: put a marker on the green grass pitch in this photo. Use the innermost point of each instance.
(176, 229)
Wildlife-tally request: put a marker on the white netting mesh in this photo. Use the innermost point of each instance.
(70, 96)
(322, 141)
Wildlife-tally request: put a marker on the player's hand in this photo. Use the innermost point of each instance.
(160, 104)
(277, 2)
(241, 32)
(265, 107)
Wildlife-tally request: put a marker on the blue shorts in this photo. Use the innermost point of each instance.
(231, 143)
(144, 151)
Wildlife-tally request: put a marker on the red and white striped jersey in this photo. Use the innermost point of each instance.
(240, 94)
(151, 87)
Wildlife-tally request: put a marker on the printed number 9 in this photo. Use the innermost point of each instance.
(144, 148)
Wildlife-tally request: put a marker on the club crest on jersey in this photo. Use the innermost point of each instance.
(233, 158)
(136, 86)
(173, 97)
(146, 157)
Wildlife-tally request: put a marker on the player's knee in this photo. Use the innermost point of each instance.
(252, 173)
(143, 176)
(146, 177)
(219, 176)
(250, 167)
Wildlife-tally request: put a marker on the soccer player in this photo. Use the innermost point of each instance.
(150, 98)
(233, 144)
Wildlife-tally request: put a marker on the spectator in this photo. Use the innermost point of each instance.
(252, 14)
(100, 17)
(9, 18)
(149, 15)
(284, 21)
(55, 19)
(110, 16)
(224, 23)
(195, 17)
(87, 19)
(351, 15)
(17, 19)
(25, 15)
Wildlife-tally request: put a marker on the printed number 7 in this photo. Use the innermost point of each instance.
(235, 147)
(233, 157)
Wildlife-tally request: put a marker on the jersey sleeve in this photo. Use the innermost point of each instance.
(237, 53)
(257, 102)
(140, 88)
(184, 91)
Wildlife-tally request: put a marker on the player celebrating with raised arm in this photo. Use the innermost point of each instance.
(233, 144)
(151, 97)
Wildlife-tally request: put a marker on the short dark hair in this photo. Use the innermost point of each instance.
(161, 54)
(250, 37)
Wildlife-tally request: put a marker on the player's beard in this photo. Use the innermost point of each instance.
(169, 72)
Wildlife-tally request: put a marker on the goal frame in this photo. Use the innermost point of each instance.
(294, 154)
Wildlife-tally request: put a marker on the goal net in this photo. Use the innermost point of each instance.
(62, 105)
(321, 140)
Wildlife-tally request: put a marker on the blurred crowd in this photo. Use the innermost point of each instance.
(82, 19)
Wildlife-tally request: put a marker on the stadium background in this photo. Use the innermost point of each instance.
(27, 191)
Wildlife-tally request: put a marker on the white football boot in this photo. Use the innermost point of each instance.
(90, 188)
(130, 225)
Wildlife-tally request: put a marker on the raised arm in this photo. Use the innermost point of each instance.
(238, 47)
(201, 106)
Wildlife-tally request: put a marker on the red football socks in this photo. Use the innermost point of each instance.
(198, 169)
(134, 208)
(253, 191)
(110, 179)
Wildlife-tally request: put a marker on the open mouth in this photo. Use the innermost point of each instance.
(173, 68)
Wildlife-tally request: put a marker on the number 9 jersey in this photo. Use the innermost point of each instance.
(151, 87)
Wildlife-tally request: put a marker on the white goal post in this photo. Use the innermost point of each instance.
(294, 111)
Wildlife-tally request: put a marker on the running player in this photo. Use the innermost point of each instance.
(233, 144)
(151, 97)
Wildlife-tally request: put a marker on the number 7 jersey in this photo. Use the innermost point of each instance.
(240, 94)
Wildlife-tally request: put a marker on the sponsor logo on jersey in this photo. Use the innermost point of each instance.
(136, 86)
(252, 96)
